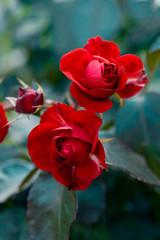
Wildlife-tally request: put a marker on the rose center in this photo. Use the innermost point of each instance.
(108, 69)
(64, 149)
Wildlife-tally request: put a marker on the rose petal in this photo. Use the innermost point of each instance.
(25, 104)
(79, 119)
(74, 63)
(3, 126)
(73, 132)
(54, 158)
(58, 115)
(94, 78)
(39, 145)
(90, 103)
(28, 100)
(80, 185)
(103, 48)
(81, 134)
(132, 64)
(67, 176)
(93, 75)
(101, 93)
(62, 131)
(129, 90)
(100, 153)
(122, 78)
(80, 152)
(136, 75)
(89, 170)
(134, 86)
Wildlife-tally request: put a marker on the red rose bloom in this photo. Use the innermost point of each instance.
(28, 100)
(3, 126)
(66, 144)
(98, 71)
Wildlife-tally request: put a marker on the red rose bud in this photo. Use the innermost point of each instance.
(98, 71)
(66, 144)
(28, 100)
(3, 126)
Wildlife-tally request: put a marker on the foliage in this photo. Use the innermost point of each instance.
(59, 208)
(34, 35)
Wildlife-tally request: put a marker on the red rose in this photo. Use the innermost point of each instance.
(3, 126)
(66, 144)
(98, 71)
(28, 100)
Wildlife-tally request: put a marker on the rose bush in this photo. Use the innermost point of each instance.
(28, 100)
(3, 126)
(66, 144)
(98, 71)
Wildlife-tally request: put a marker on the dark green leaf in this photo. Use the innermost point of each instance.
(92, 202)
(142, 10)
(12, 224)
(153, 57)
(29, 178)
(109, 117)
(81, 20)
(80, 231)
(138, 124)
(89, 17)
(51, 209)
(12, 172)
(143, 34)
(135, 228)
(155, 46)
(121, 156)
(30, 27)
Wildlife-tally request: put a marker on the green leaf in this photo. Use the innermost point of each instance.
(138, 124)
(121, 156)
(12, 224)
(143, 34)
(51, 209)
(92, 202)
(109, 117)
(30, 27)
(12, 172)
(142, 10)
(81, 231)
(84, 19)
(153, 56)
(91, 21)
(135, 228)
(29, 178)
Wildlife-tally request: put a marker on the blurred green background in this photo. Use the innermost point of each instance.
(34, 34)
